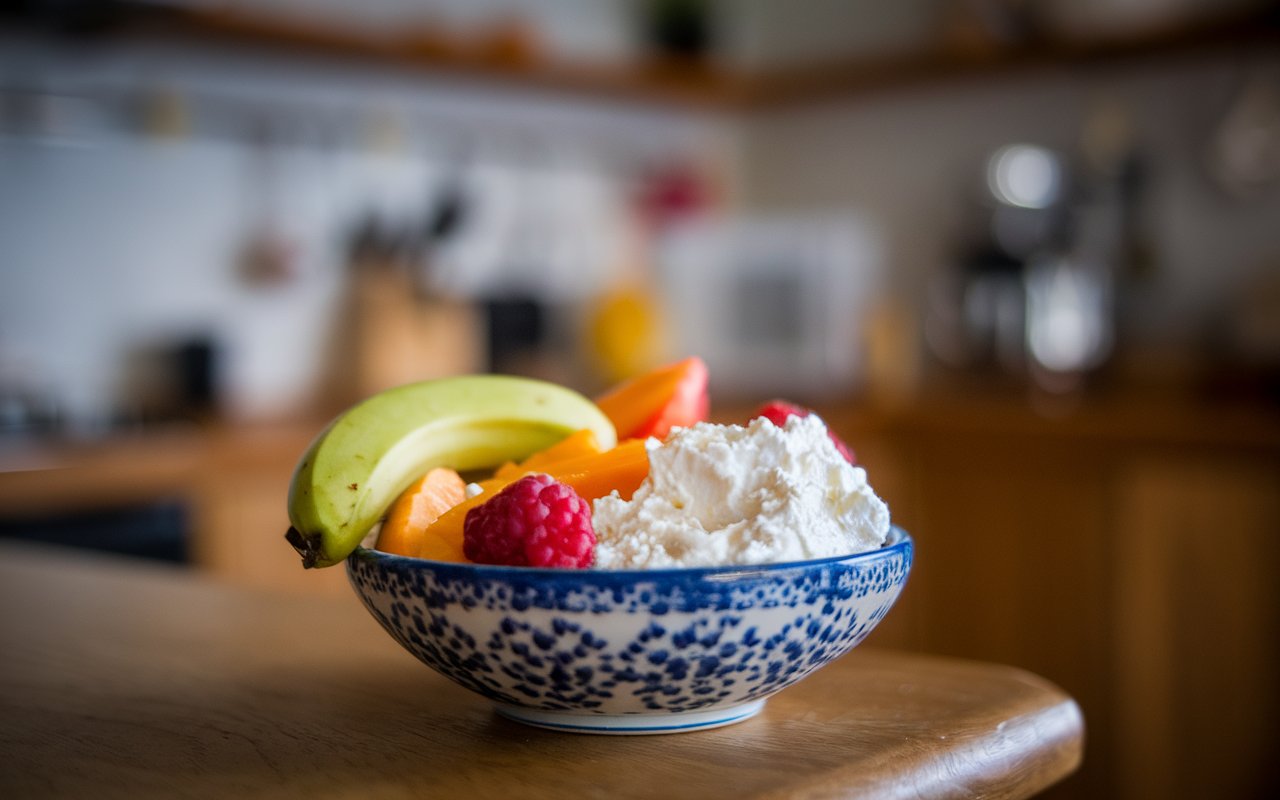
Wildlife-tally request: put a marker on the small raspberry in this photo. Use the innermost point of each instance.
(777, 411)
(533, 522)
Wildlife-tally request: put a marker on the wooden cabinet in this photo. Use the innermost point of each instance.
(232, 482)
(1197, 626)
(1131, 561)
(240, 513)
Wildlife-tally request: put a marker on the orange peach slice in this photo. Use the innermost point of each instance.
(653, 403)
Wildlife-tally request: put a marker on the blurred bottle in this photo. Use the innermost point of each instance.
(678, 30)
(627, 327)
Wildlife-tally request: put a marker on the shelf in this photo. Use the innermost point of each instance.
(510, 58)
(951, 62)
(507, 57)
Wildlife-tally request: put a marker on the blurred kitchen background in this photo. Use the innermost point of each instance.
(1023, 254)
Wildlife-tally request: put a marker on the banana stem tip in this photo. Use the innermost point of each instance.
(307, 546)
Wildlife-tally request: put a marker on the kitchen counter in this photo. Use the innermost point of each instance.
(128, 680)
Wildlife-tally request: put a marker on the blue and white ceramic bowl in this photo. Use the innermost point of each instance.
(630, 651)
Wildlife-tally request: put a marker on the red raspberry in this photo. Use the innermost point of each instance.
(777, 411)
(533, 522)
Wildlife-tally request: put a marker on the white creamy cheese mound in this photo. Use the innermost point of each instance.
(726, 495)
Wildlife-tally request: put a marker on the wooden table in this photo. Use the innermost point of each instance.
(124, 679)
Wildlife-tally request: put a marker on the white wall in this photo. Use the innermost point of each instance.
(114, 237)
(913, 160)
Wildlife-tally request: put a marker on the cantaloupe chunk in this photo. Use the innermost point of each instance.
(417, 508)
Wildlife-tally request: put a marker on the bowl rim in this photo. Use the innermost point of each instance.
(897, 543)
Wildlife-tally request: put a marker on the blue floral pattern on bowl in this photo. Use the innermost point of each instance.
(630, 651)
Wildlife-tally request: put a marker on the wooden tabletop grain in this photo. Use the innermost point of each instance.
(121, 679)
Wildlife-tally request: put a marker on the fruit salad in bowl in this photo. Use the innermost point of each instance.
(616, 565)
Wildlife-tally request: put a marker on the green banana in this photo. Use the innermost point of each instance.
(365, 458)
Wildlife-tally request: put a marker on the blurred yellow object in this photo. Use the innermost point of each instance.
(626, 330)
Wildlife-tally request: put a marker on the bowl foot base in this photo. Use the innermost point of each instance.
(632, 724)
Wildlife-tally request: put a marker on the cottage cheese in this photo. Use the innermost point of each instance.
(726, 494)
